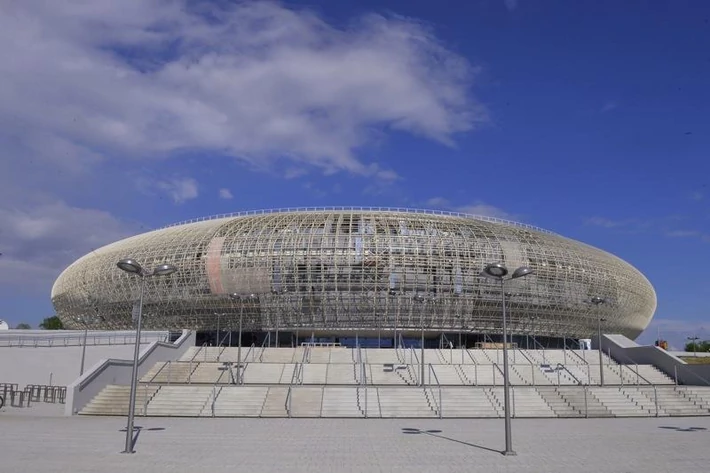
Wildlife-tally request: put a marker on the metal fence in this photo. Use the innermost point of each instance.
(66, 338)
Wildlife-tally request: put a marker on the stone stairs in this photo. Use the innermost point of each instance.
(404, 402)
(466, 402)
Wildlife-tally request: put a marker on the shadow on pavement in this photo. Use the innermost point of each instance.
(682, 429)
(436, 432)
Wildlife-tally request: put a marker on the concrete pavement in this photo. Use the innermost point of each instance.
(92, 444)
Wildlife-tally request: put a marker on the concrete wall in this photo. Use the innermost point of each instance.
(59, 364)
(627, 351)
(118, 371)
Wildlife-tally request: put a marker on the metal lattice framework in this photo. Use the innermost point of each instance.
(343, 269)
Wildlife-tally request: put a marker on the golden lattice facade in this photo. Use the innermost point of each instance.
(342, 270)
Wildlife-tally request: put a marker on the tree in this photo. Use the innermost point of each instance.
(52, 323)
(698, 346)
(23, 326)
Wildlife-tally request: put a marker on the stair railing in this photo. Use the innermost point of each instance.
(414, 358)
(400, 349)
(295, 377)
(585, 363)
(561, 367)
(532, 365)
(264, 346)
(438, 385)
(158, 372)
(475, 366)
(502, 373)
(536, 343)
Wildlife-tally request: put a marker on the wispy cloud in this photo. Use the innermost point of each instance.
(682, 233)
(665, 226)
(697, 195)
(254, 80)
(626, 225)
(225, 194)
(608, 106)
(179, 189)
(475, 208)
(39, 241)
(510, 5)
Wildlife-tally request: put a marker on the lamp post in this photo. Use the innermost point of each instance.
(695, 344)
(86, 321)
(393, 293)
(597, 301)
(240, 299)
(419, 298)
(133, 267)
(497, 271)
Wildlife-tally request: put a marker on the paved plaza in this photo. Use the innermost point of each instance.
(38, 443)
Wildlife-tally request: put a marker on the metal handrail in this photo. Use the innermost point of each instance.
(158, 372)
(401, 352)
(363, 209)
(544, 356)
(475, 367)
(295, 378)
(429, 386)
(559, 367)
(532, 365)
(28, 339)
(204, 345)
(586, 363)
(414, 357)
(246, 355)
(264, 346)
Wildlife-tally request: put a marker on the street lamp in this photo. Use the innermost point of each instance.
(85, 321)
(419, 298)
(497, 271)
(695, 344)
(133, 267)
(238, 298)
(597, 301)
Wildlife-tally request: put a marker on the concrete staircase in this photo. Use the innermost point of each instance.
(525, 402)
(275, 403)
(306, 401)
(113, 400)
(404, 402)
(169, 372)
(672, 402)
(466, 402)
(328, 380)
(621, 404)
(240, 401)
(180, 401)
(341, 402)
(699, 395)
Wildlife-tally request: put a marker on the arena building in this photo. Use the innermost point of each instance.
(332, 274)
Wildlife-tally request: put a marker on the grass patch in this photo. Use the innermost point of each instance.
(696, 360)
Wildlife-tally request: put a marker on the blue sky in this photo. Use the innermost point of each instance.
(588, 118)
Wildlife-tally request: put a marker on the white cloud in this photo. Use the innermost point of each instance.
(179, 189)
(437, 202)
(485, 210)
(254, 80)
(225, 194)
(510, 5)
(39, 242)
(608, 106)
